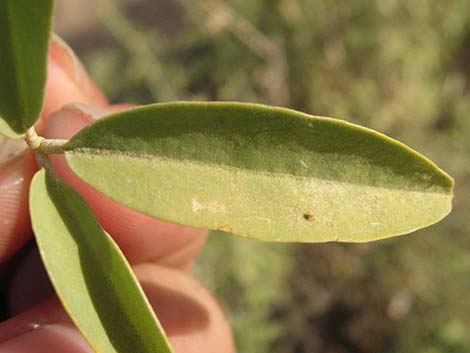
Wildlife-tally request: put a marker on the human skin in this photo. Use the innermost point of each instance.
(161, 253)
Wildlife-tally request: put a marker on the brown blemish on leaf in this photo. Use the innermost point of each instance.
(309, 216)
(225, 228)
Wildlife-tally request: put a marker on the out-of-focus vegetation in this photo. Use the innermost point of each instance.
(402, 67)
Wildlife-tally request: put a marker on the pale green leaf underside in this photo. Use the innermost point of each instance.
(25, 27)
(267, 173)
(90, 274)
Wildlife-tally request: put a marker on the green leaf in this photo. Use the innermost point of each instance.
(90, 274)
(25, 27)
(267, 173)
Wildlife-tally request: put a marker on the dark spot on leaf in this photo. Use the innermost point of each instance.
(309, 216)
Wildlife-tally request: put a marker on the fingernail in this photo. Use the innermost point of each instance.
(89, 112)
(70, 119)
(66, 59)
(46, 339)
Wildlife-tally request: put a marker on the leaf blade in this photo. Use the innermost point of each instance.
(328, 179)
(25, 28)
(90, 274)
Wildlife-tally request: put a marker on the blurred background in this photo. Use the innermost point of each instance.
(402, 67)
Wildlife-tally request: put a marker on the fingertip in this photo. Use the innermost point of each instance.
(67, 80)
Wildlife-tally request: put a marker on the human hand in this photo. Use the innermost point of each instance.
(161, 253)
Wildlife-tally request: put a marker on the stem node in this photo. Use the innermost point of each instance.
(43, 147)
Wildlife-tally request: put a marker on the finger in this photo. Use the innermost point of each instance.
(190, 316)
(142, 238)
(67, 80)
(15, 227)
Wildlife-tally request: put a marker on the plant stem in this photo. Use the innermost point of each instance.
(43, 147)
(43, 161)
(46, 146)
(32, 139)
(53, 146)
